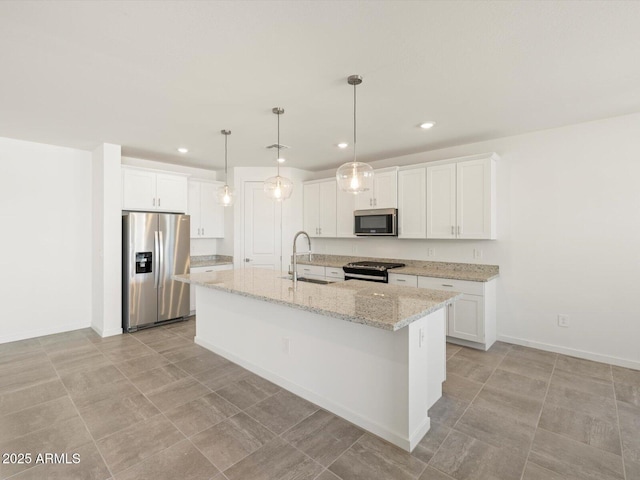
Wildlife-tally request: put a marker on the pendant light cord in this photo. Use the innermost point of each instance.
(354, 122)
(225, 159)
(278, 159)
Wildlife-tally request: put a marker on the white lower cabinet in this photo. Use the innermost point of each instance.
(192, 290)
(403, 280)
(320, 272)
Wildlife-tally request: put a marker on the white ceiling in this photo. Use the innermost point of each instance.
(152, 76)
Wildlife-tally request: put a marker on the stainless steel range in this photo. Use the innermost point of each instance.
(370, 271)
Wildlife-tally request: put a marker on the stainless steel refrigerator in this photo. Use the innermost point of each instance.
(155, 246)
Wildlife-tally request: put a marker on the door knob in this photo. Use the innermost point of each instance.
(247, 260)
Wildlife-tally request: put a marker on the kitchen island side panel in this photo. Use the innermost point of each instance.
(366, 375)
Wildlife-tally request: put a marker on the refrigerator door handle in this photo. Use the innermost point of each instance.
(156, 275)
(161, 258)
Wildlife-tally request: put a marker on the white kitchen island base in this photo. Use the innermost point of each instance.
(381, 380)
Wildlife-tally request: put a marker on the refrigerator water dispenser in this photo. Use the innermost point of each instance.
(144, 262)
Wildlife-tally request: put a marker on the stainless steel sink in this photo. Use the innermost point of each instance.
(312, 280)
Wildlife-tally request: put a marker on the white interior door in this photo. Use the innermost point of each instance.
(262, 246)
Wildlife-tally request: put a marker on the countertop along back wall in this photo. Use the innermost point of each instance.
(45, 245)
(568, 237)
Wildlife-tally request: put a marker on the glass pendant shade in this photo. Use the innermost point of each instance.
(355, 177)
(278, 188)
(225, 195)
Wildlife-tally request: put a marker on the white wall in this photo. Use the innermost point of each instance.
(568, 237)
(199, 246)
(45, 245)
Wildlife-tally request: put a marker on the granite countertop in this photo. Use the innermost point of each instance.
(379, 305)
(454, 271)
(210, 260)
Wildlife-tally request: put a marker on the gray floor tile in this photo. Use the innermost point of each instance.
(452, 349)
(80, 383)
(630, 431)
(228, 442)
(431, 473)
(496, 429)
(461, 387)
(600, 371)
(626, 375)
(127, 350)
(489, 359)
(528, 368)
(327, 475)
(183, 353)
(90, 467)
(25, 375)
(466, 458)
(177, 393)
(632, 470)
(35, 418)
(430, 443)
(153, 335)
(447, 410)
(63, 437)
(248, 390)
(574, 460)
(584, 384)
(180, 461)
(524, 409)
(137, 442)
(136, 366)
(373, 459)
(628, 393)
(21, 346)
(30, 396)
(594, 405)
(468, 369)
(61, 341)
(113, 414)
(500, 348)
(221, 375)
(516, 383)
(275, 460)
(157, 378)
(281, 411)
(581, 427)
(536, 472)
(81, 358)
(323, 436)
(200, 414)
(527, 353)
(168, 344)
(201, 363)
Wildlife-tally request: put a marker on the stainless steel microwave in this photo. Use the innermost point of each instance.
(382, 221)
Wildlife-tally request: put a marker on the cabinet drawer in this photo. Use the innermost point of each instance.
(315, 270)
(212, 268)
(404, 280)
(463, 286)
(332, 272)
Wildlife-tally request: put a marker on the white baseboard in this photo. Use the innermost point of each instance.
(40, 332)
(327, 404)
(106, 333)
(596, 357)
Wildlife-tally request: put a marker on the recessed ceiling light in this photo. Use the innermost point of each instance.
(183, 150)
(427, 125)
(281, 160)
(343, 145)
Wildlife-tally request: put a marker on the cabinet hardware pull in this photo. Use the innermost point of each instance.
(446, 285)
(400, 280)
(458, 229)
(320, 230)
(198, 232)
(159, 201)
(452, 231)
(154, 202)
(375, 202)
(202, 230)
(371, 202)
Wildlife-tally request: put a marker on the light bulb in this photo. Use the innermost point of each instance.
(226, 199)
(354, 184)
(278, 192)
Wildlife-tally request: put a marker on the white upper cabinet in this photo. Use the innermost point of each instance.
(412, 204)
(149, 190)
(207, 216)
(345, 205)
(461, 199)
(384, 193)
(320, 208)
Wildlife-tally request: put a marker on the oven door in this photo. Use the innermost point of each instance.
(376, 222)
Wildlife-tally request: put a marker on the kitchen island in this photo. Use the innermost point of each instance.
(371, 353)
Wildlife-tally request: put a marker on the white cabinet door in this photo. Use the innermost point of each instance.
(412, 203)
(441, 201)
(466, 318)
(171, 192)
(364, 200)
(474, 199)
(194, 208)
(311, 212)
(327, 208)
(385, 189)
(138, 190)
(345, 205)
(211, 212)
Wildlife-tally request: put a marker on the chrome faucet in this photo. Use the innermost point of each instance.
(295, 254)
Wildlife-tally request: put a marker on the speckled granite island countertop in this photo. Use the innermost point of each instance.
(384, 306)
(456, 271)
(211, 260)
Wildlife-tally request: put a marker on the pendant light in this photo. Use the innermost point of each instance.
(278, 188)
(354, 177)
(225, 193)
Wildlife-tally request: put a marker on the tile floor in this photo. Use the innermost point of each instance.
(153, 405)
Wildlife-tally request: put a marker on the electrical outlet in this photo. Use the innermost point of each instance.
(431, 252)
(286, 345)
(563, 320)
(477, 253)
